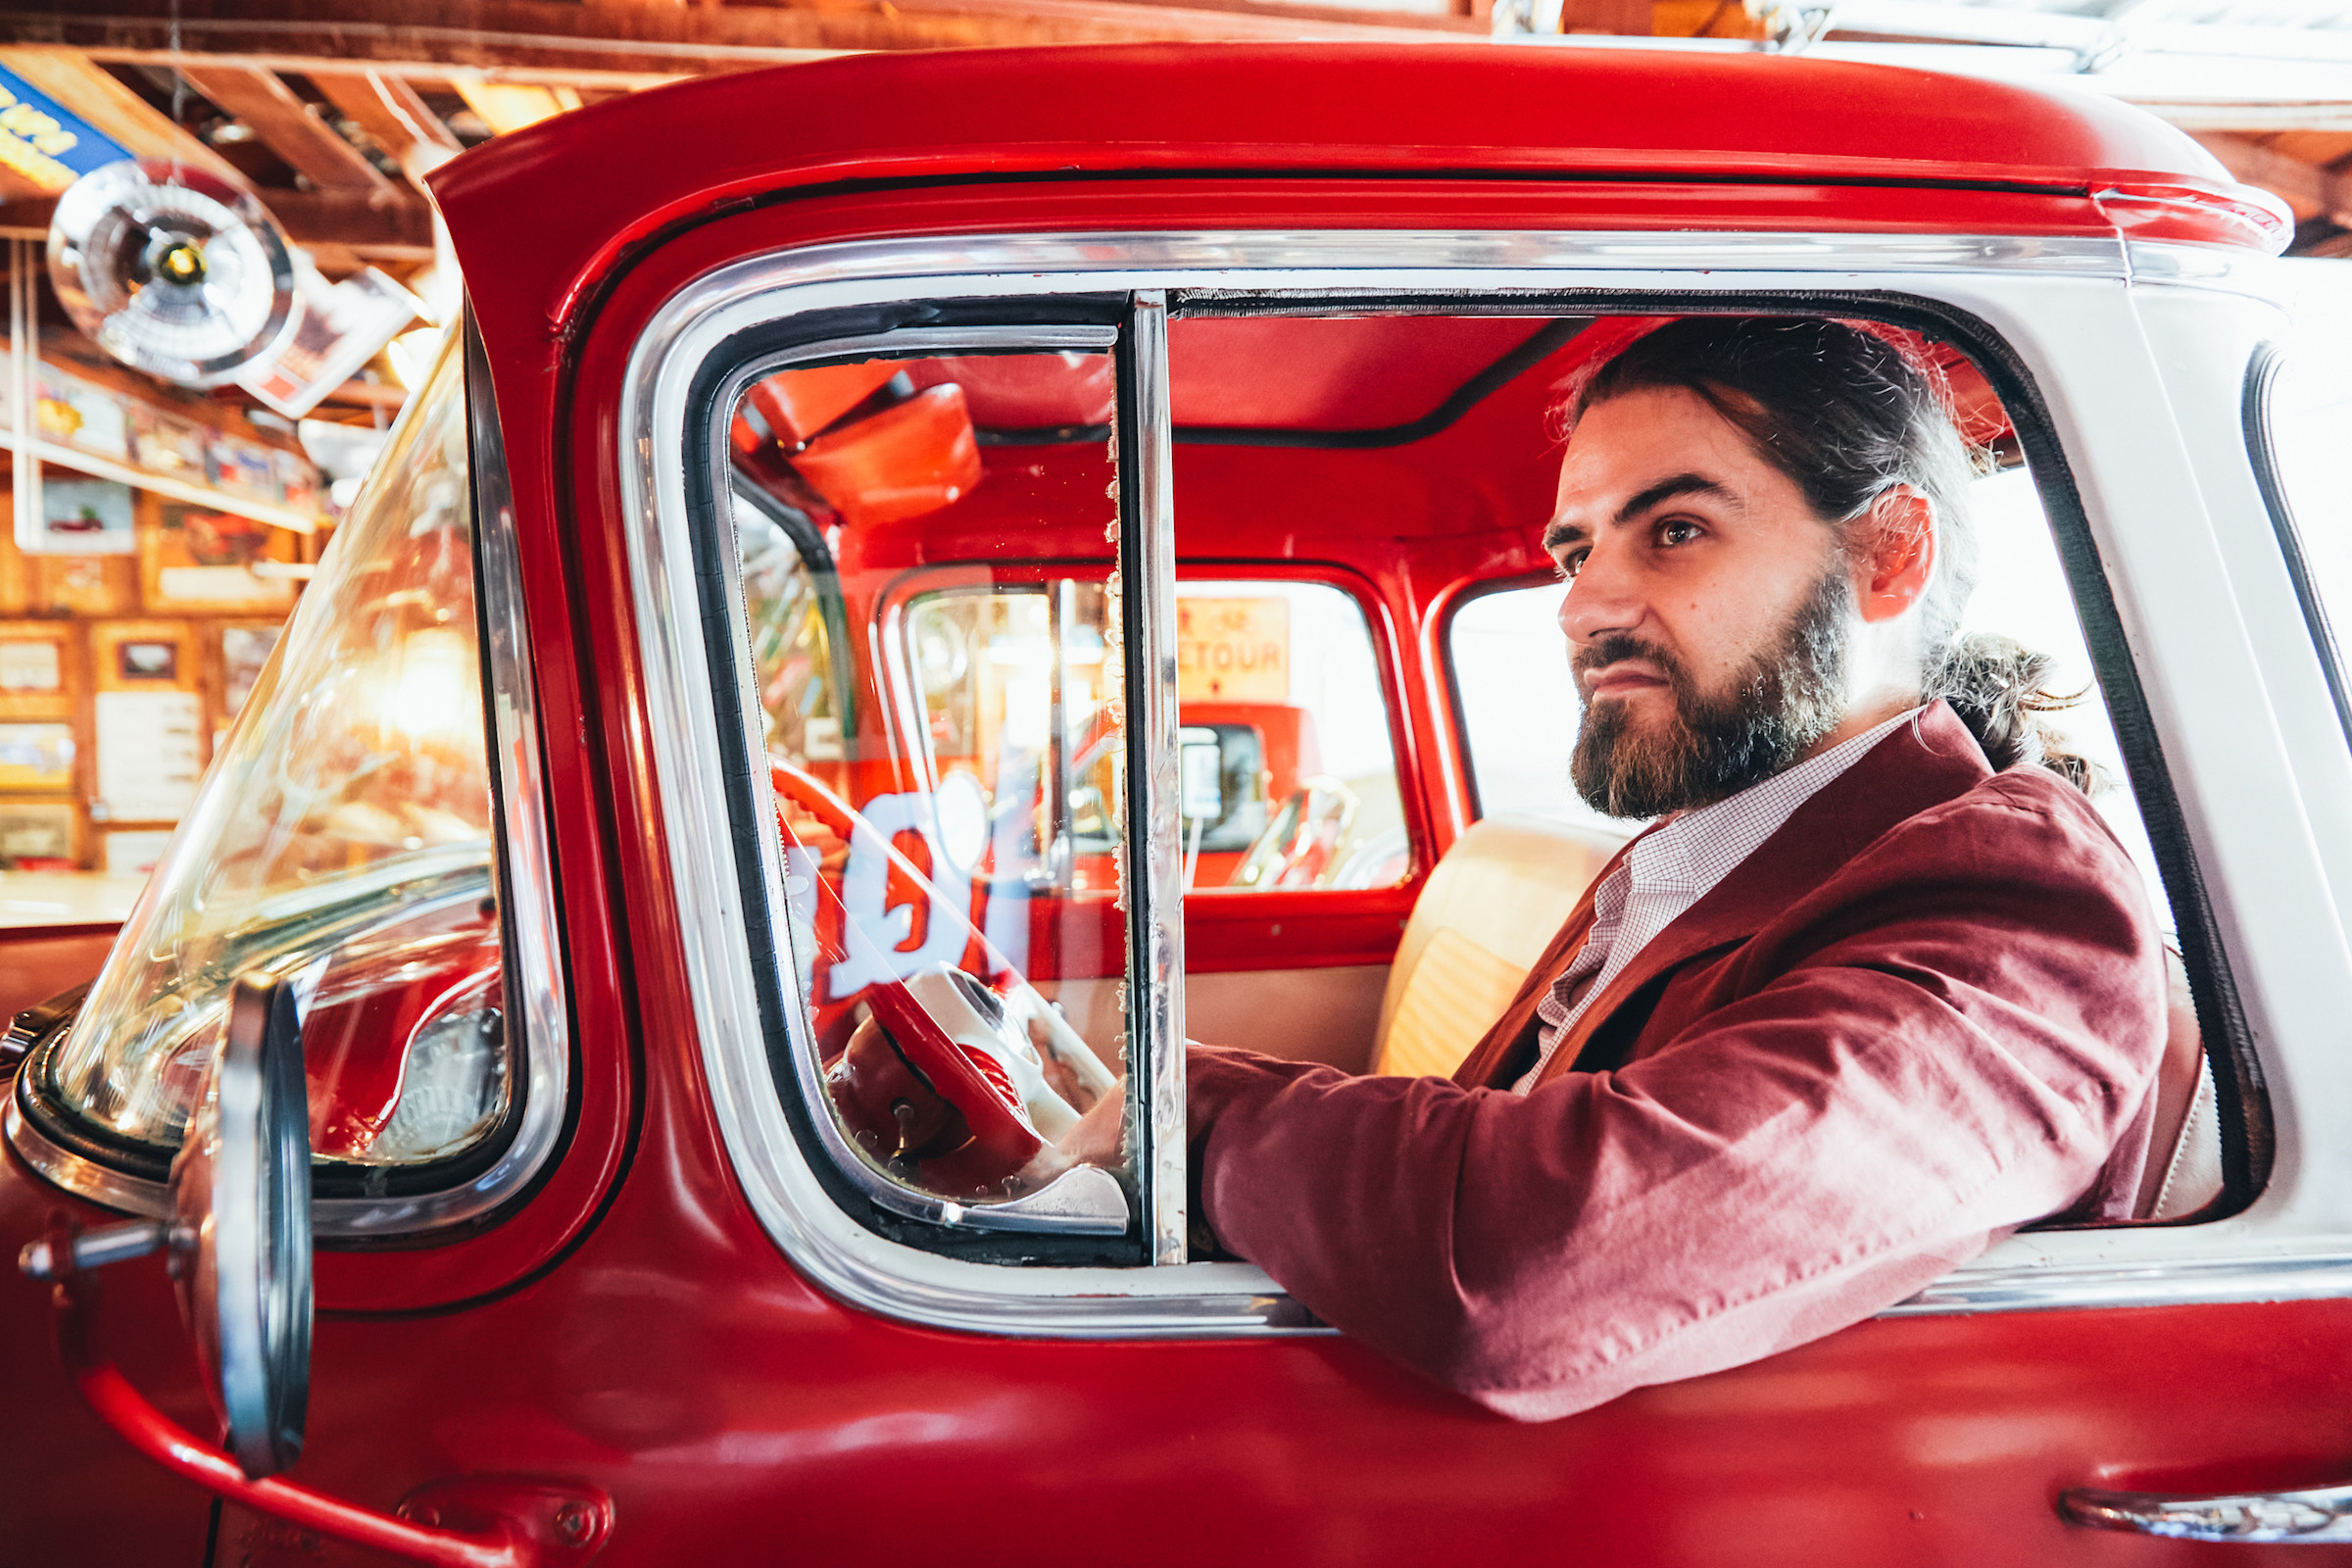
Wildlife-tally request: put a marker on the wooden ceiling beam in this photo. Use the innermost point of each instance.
(505, 106)
(411, 74)
(399, 229)
(555, 37)
(387, 108)
(289, 126)
(81, 85)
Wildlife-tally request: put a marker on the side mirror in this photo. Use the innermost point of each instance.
(241, 1196)
(239, 1243)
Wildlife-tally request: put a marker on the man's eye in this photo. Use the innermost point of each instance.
(1677, 531)
(1571, 564)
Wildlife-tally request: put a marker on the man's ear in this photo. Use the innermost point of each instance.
(1901, 557)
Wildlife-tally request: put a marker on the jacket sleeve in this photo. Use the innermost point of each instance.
(1954, 1033)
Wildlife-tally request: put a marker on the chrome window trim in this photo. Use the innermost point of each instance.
(2225, 269)
(2039, 1271)
(1155, 1118)
(523, 875)
(527, 871)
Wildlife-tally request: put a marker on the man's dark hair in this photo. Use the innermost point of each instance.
(1845, 413)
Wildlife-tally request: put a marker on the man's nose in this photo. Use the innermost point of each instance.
(1603, 598)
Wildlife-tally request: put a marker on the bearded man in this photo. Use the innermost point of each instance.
(1877, 987)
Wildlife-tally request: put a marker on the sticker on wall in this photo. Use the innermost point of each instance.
(39, 836)
(36, 756)
(30, 666)
(85, 517)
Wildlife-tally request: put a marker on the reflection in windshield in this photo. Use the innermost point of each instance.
(342, 837)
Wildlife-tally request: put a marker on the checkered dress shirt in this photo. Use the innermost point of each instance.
(1671, 868)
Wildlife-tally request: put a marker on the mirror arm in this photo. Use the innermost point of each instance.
(519, 1524)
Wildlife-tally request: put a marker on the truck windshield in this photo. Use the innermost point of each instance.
(343, 837)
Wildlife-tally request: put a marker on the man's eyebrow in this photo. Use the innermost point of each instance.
(1681, 484)
(1561, 532)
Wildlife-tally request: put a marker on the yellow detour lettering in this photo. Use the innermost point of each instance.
(1233, 651)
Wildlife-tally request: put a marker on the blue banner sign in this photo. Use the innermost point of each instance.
(44, 141)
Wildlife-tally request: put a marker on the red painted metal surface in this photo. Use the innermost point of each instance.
(121, 1407)
(1161, 110)
(499, 1522)
(633, 1325)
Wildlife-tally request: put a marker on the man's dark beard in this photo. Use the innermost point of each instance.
(1789, 696)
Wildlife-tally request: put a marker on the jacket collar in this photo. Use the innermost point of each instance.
(1920, 765)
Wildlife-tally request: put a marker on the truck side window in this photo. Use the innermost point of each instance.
(953, 923)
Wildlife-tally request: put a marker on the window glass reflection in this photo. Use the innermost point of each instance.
(947, 777)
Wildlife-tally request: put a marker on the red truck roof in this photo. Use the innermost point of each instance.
(552, 206)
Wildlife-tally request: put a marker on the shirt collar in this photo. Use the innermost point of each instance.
(1692, 851)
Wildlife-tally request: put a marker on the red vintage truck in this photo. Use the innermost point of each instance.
(1040, 550)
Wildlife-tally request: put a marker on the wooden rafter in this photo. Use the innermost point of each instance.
(396, 75)
(505, 106)
(79, 84)
(399, 229)
(288, 126)
(506, 35)
(388, 109)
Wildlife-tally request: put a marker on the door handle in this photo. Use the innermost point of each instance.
(2321, 1514)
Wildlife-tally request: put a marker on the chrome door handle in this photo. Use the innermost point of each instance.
(2321, 1514)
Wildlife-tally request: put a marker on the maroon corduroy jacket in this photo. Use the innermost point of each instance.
(1926, 1011)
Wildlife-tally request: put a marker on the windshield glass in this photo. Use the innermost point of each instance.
(343, 836)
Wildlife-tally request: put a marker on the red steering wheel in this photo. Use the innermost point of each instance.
(931, 1082)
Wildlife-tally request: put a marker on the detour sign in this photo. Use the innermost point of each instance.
(1233, 651)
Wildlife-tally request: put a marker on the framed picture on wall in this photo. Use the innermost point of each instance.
(243, 468)
(133, 851)
(32, 667)
(84, 518)
(80, 414)
(147, 737)
(144, 661)
(39, 835)
(163, 443)
(36, 756)
(197, 559)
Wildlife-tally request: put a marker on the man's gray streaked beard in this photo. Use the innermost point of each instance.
(1789, 696)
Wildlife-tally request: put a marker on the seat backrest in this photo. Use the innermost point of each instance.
(1487, 913)
(2183, 1172)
